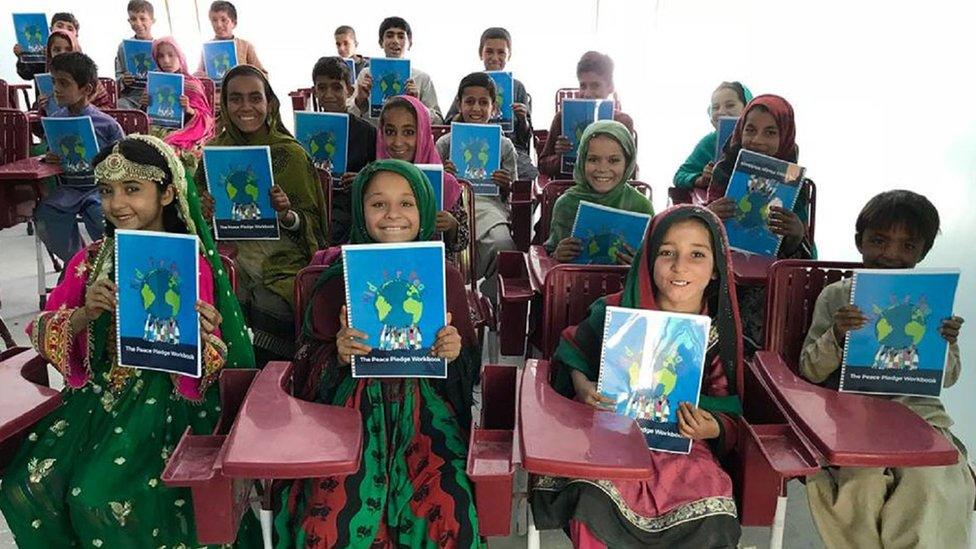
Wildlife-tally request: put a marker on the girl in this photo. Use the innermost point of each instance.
(412, 490)
(683, 266)
(88, 474)
(728, 99)
(766, 126)
(198, 118)
(476, 100)
(606, 161)
(267, 268)
(405, 135)
(62, 41)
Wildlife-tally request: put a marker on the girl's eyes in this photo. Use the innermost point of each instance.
(377, 204)
(104, 191)
(665, 253)
(697, 255)
(407, 204)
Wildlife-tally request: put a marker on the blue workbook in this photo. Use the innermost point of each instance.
(73, 140)
(651, 362)
(396, 295)
(45, 86)
(158, 287)
(577, 114)
(726, 127)
(758, 182)
(138, 60)
(605, 231)
(219, 56)
(476, 150)
(351, 63)
(900, 350)
(164, 90)
(239, 180)
(435, 175)
(389, 79)
(504, 97)
(32, 33)
(325, 137)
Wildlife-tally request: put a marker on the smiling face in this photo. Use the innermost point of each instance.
(332, 93)
(390, 209)
(605, 163)
(167, 58)
(395, 42)
(246, 103)
(495, 54)
(760, 133)
(223, 25)
(59, 45)
(725, 102)
(136, 204)
(477, 105)
(891, 248)
(141, 24)
(400, 133)
(346, 44)
(684, 266)
(594, 86)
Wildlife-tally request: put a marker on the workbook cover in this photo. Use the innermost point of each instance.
(138, 60)
(45, 87)
(476, 150)
(757, 183)
(219, 56)
(73, 140)
(325, 137)
(389, 80)
(239, 180)
(351, 63)
(605, 231)
(32, 34)
(577, 114)
(504, 98)
(435, 175)
(726, 127)
(164, 90)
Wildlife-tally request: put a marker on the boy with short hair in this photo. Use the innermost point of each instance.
(223, 19)
(595, 74)
(75, 75)
(346, 46)
(59, 21)
(396, 37)
(141, 19)
(873, 506)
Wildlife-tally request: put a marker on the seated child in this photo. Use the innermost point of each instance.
(476, 97)
(75, 76)
(223, 19)
(874, 506)
(606, 161)
(728, 99)
(411, 489)
(88, 473)
(396, 37)
(59, 21)
(346, 46)
(595, 74)
(141, 19)
(62, 41)
(688, 502)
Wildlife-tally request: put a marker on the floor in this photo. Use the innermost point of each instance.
(18, 292)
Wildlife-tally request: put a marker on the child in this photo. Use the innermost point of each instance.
(141, 19)
(75, 76)
(223, 19)
(266, 269)
(495, 50)
(728, 99)
(405, 135)
(62, 41)
(606, 161)
(63, 21)
(395, 39)
(411, 489)
(331, 84)
(595, 74)
(476, 97)
(872, 506)
(346, 45)
(198, 118)
(688, 502)
(88, 473)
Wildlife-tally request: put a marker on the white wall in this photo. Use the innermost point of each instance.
(882, 90)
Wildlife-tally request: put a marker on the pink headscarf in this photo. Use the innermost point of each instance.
(426, 152)
(200, 128)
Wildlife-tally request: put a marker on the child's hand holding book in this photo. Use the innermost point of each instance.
(349, 342)
(448, 342)
(695, 423)
(848, 318)
(723, 207)
(568, 249)
(562, 145)
(949, 330)
(586, 392)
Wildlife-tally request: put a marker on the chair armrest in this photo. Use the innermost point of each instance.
(22, 401)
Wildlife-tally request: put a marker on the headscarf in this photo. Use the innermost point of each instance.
(230, 135)
(622, 196)
(99, 96)
(741, 91)
(200, 128)
(782, 112)
(426, 151)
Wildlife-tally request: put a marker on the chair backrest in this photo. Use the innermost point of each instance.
(304, 283)
(14, 135)
(131, 120)
(111, 89)
(437, 130)
(552, 191)
(568, 292)
(209, 90)
(574, 93)
(300, 99)
(4, 94)
(231, 269)
(791, 293)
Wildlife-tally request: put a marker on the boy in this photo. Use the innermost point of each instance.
(75, 76)
(874, 507)
(396, 38)
(141, 19)
(595, 74)
(59, 21)
(223, 19)
(330, 81)
(346, 45)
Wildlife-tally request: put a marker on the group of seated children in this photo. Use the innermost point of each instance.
(89, 473)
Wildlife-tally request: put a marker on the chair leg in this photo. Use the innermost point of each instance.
(779, 522)
(266, 514)
(41, 282)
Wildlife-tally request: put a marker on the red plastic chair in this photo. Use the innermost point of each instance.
(302, 98)
(111, 88)
(439, 130)
(25, 398)
(482, 313)
(4, 94)
(131, 120)
(573, 93)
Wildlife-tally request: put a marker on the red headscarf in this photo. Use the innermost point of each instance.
(200, 128)
(782, 112)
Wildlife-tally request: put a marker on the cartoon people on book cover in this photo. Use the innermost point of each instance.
(399, 306)
(159, 288)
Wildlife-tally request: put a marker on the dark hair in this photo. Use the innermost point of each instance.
(81, 67)
(494, 33)
(344, 29)
(737, 88)
(594, 61)
(477, 80)
(900, 208)
(226, 7)
(67, 17)
(332, 67)
(140, 6)
(396, 102)
(395, 23)
(141, 152)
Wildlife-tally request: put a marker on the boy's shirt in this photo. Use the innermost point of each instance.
(521, 135)
(550, 163)
(107, 132)
(246, 55)
(425, 92)
(822, 355)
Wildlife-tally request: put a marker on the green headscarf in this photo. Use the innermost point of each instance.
(622, 196)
